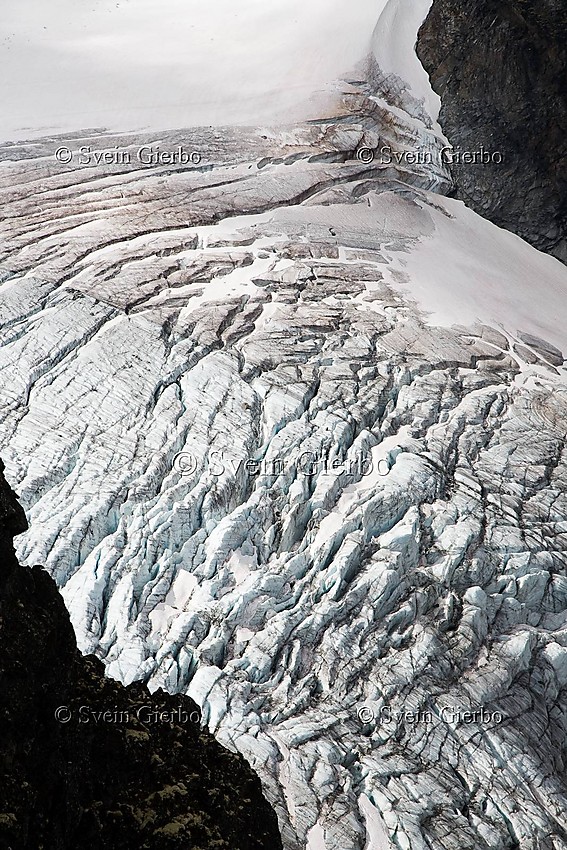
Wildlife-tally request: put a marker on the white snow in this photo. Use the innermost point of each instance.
(136, 64)
(471, 271)
(241, 565)
(393, 46)
(376, 832)
(183, 586)
(316, 838)
(127, 65)
(241, 591)
(459, 268)
(232, 285)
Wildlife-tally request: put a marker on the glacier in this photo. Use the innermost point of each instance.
(289, 427)
(129, 66)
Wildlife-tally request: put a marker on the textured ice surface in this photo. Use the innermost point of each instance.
(290, 430)
(266, 470)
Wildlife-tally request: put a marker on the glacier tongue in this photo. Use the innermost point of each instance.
(290, 430)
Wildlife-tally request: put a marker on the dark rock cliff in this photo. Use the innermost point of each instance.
(500, 67)
(87, 763)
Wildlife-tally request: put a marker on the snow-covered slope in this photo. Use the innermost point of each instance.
(136, 63)
(393, 48)
(290, 430)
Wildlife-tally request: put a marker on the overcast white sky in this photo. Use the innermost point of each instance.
(127, 64)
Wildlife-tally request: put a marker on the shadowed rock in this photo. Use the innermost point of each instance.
(86, 762)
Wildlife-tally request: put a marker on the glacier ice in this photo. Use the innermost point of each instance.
(290, 431)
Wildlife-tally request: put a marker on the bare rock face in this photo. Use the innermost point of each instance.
(85, 762)
(500, 68)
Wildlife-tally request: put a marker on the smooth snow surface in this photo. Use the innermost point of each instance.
(377, 834)
(129, 65)
(140, 63)
(316, 838)
(393, 45)
(471, 271)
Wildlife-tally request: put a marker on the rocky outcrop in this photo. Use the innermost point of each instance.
(86, 763)
(500, 67)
